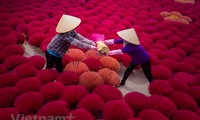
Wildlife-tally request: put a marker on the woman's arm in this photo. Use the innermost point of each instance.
(115, 52)
(80, 44)
(84, 40)
(119, 41)
(113, 41)
(109, 42)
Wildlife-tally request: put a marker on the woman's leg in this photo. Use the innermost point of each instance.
(49, 60)
(59, 65)
(146, 67)
(127, 72)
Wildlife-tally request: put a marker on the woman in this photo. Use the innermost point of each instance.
(60, 43)
(133, 48)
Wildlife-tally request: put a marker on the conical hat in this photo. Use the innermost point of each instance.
(67, 23)
(129, 35)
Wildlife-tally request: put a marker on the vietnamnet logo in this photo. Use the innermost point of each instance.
(35, 117)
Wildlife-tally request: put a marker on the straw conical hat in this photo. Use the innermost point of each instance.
(129, 35)
(67, 23)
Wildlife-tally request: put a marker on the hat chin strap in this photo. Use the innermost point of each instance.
(126, 42)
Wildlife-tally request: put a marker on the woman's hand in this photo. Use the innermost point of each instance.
(93, 47)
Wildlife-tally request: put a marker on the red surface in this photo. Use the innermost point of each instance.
(173, 46)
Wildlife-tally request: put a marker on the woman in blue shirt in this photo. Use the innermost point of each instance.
(60, 43)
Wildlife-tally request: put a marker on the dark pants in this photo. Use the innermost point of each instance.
(146, 67)
(53, 61)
